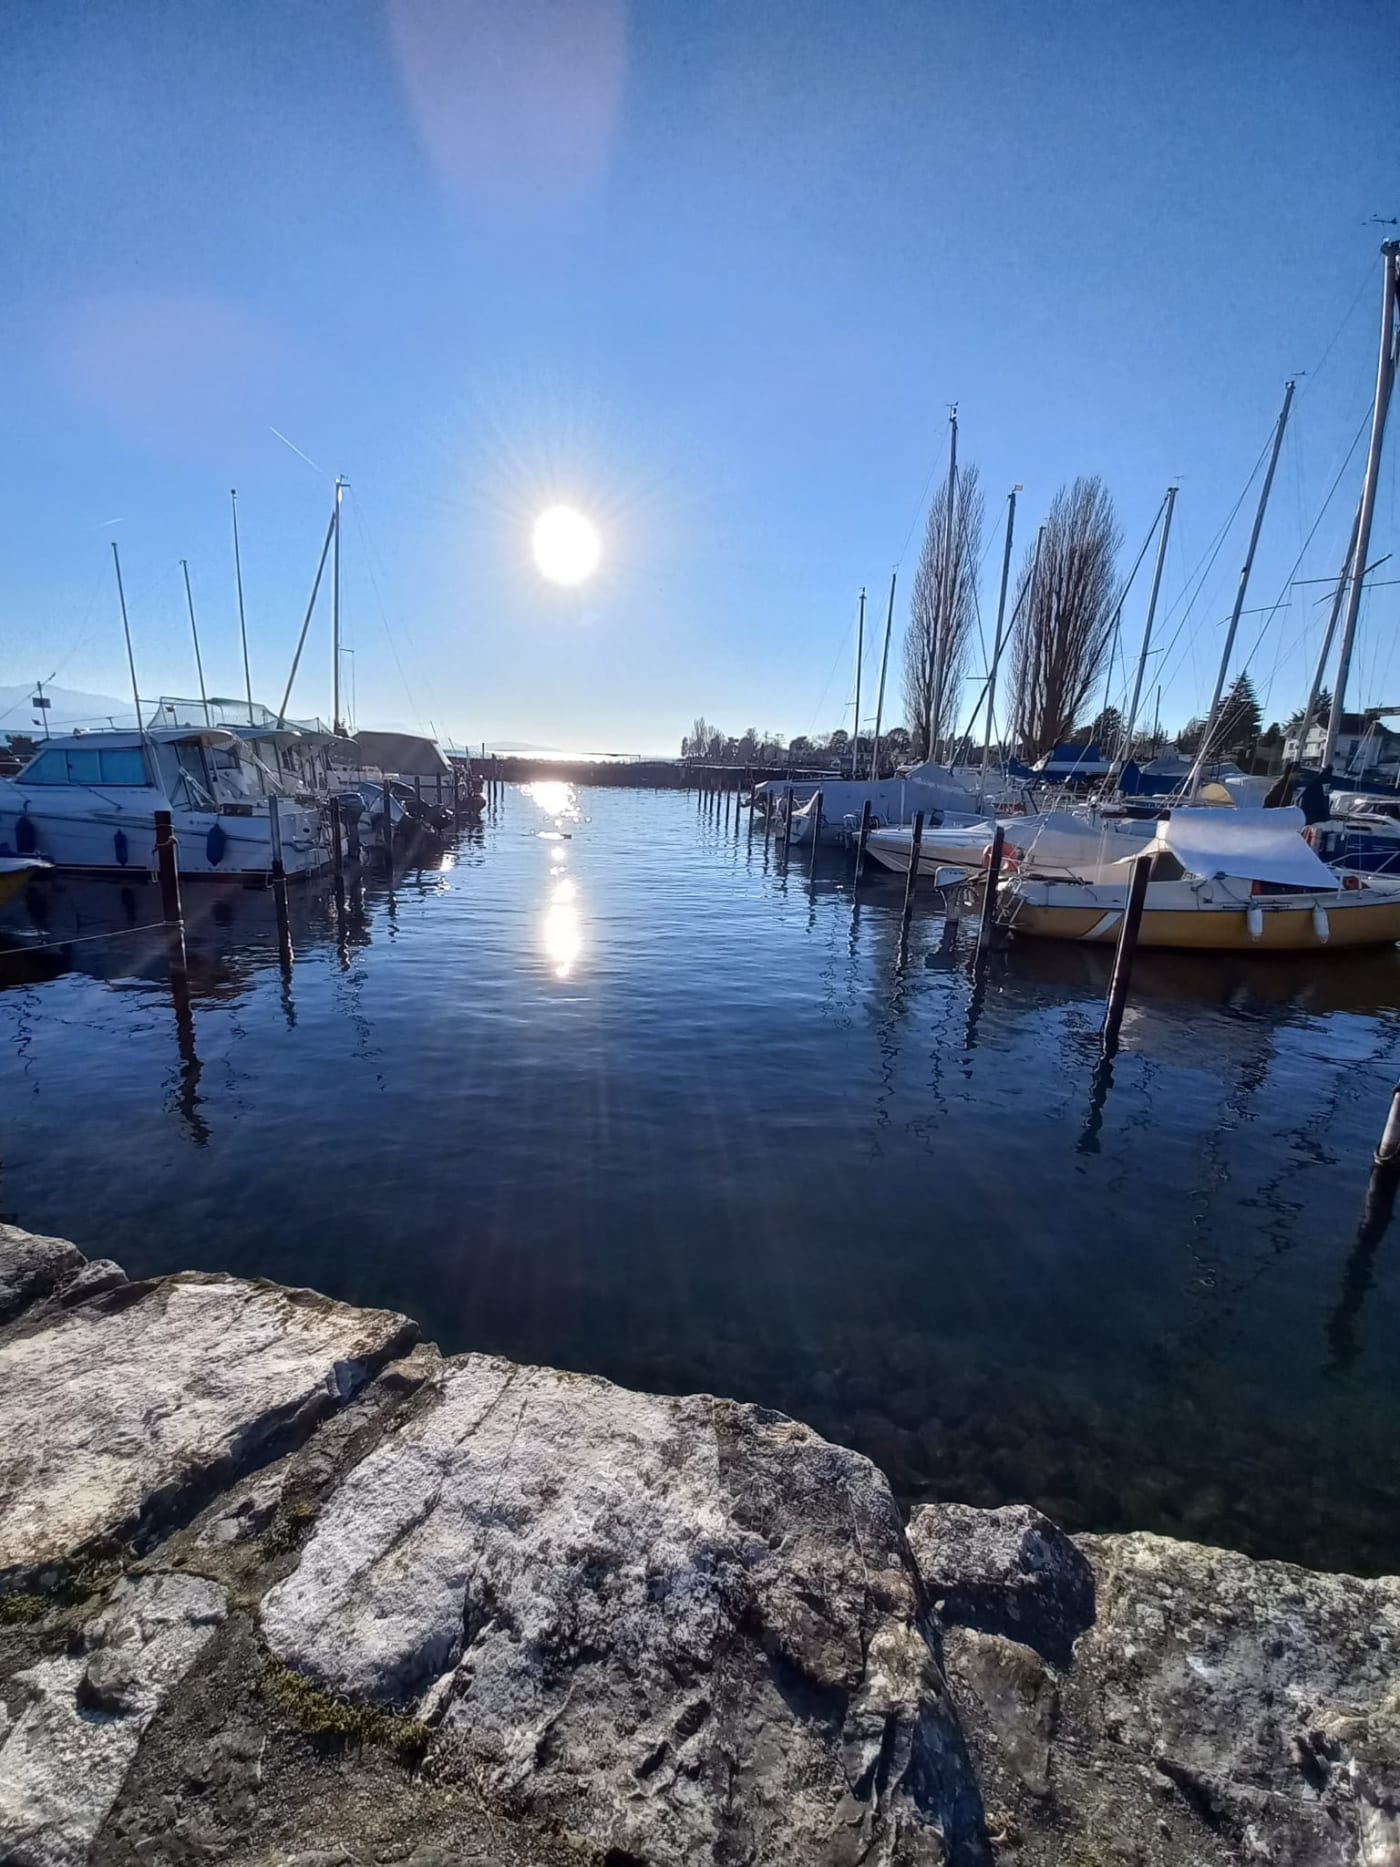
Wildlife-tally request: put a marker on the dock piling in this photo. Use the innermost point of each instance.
(274, 824)
(915, 846)
(816, 827)
(987, 924)
(787, 827)
(1387, 1155)
(168, 871)
(860, 844)
(1127, 949)
(337, 846)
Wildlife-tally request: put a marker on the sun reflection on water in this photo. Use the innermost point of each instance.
(563, 936)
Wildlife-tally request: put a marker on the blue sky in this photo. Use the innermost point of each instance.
(711, 273)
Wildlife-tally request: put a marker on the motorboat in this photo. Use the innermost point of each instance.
(89, 801)
(1226, 880)
(16, 872)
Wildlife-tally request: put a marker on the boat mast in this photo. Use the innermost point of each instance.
(126, 631)
(1385, 377)
(1193, 783)
(306, 624)
(336, 726)
(933, 719)
(194, 631)
(1032, 586)
(242, 620)
(1169, 506)
(996, 639)
(884, 663)
(1329, 636)
(860, 653)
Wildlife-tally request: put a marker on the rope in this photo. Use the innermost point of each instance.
(46, 946)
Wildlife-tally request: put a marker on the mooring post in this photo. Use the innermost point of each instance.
(989, 898)
(787, 826)
(274, 824)
(816, 826)
(417, 788)
(860, 844)
(168, 870)
(916, 841)
(748, 779)
(767, 821)
(1127, 948)
(389, 827)
(337, 852)
(738, 803)
(1388, 1153)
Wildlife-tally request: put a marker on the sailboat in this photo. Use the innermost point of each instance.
(1237, 880)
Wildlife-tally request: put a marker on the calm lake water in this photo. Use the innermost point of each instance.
(608, 1089)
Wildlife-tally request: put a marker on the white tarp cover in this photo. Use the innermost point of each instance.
(404, 754)
(1254, 845)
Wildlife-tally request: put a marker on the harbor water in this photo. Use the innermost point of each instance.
(611, 1087)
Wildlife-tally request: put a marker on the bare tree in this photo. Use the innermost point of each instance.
(1064, 632)
(941, 610)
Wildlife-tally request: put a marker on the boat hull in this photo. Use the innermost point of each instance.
(1219, 930)
(88, 843)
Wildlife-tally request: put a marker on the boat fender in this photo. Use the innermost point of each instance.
(1254, 920)
(1351, 881)
(215, 844)
(121, 849)
(1320, 927)
(26, 836)
(1310, 836)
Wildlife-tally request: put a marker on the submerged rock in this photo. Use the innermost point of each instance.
(77, 1718)
(687, 1629)
(127, 1410)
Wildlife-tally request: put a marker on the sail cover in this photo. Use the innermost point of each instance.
(1254, 845)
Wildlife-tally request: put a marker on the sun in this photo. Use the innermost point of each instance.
(566, 545)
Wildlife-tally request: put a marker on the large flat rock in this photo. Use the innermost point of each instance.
(685, 1629)
(31, 1266)
(78, 1717)
(1211, 1710)
(128, 1409)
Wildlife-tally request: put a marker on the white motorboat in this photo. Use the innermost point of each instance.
(88, 801)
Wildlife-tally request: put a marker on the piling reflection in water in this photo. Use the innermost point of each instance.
(764, 1142)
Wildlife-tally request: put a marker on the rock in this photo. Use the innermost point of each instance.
(683, 1629)
(96, 1276)
(1218, 1711)
(32, 1266)
(1008, 1571)
(80, 1718)
(129, 1410)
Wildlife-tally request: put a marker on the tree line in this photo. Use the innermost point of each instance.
(1063, 611)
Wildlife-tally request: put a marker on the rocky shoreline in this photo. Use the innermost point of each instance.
(281, 1584)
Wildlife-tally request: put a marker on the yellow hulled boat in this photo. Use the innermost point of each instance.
(1223, 881)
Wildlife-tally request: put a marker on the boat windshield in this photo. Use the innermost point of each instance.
(184, 775)
(88, 765)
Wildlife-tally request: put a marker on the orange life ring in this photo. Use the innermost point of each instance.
(1010, 857)
(1351, 881)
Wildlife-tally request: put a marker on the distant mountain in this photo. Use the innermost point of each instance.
(71, 707)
